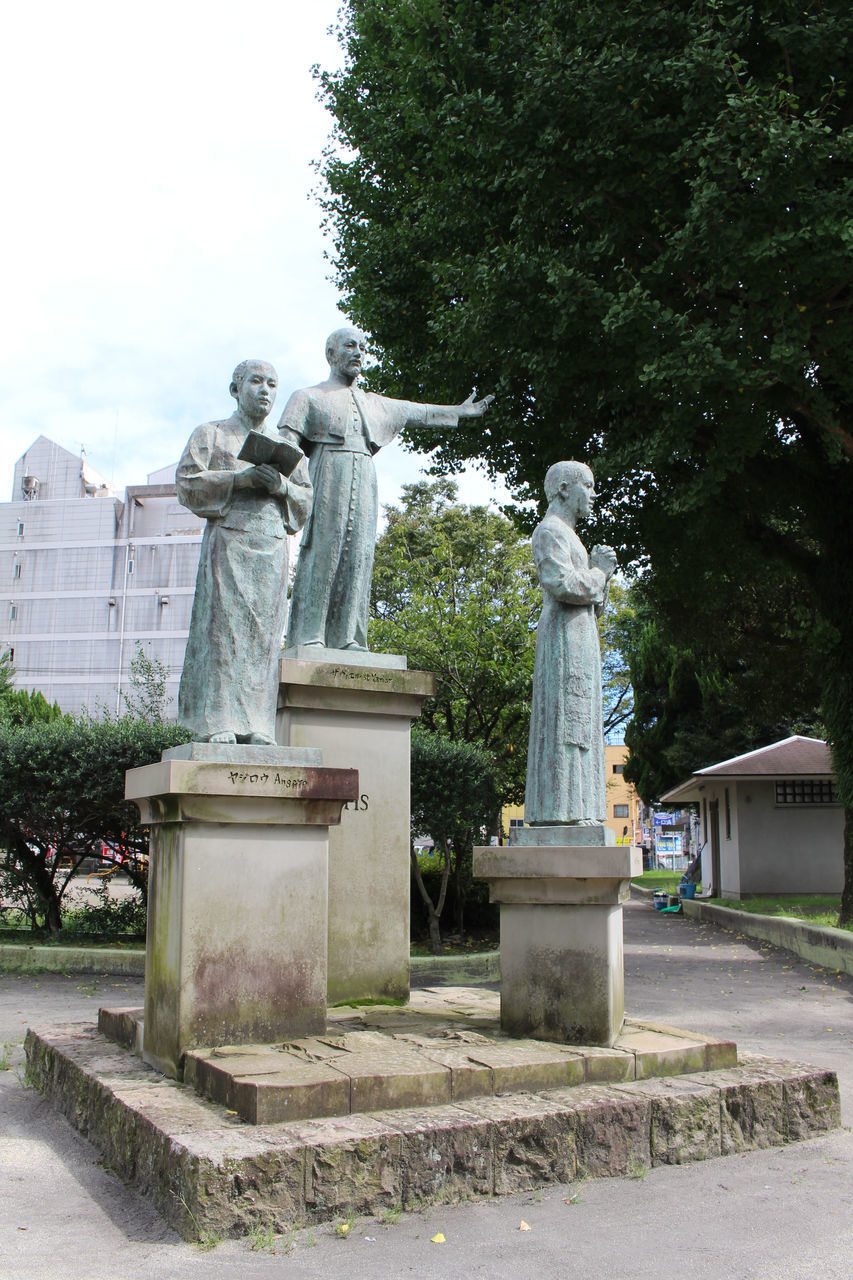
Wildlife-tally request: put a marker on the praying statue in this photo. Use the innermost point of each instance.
(340, 428)
(565, 759)
(229, 685)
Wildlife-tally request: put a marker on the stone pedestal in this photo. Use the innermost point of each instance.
(358, 707)
(237, 905)
(561, 891)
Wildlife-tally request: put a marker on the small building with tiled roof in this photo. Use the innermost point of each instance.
(771, 821)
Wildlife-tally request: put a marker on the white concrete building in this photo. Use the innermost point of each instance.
(771, 821)
(86, 576)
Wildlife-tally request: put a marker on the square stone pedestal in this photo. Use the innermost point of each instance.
(237, 897)
(562, 970)
(359, 707)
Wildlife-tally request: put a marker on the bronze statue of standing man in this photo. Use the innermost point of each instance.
(565, 758)
(340, 428)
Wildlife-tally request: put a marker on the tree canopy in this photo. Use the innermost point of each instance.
(714, 683)
(454, 589)
(631, 223)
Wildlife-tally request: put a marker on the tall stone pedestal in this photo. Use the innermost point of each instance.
(237, 905)
(562, 971)
(359, 708)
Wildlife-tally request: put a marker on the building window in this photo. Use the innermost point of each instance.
(516, 822)
(20, 528)
(619, 768)
(13, 612)
(620, 811)
(806, 792)
(16, 569)
(728, 815)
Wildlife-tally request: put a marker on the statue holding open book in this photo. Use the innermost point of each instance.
(252, 488)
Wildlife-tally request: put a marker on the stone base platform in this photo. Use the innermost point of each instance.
(445, 1045)
(507, 1115)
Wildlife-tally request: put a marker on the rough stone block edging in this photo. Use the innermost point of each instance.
(210, 1175)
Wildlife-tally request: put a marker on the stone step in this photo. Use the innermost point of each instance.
(210, 1174)
(445, 1046)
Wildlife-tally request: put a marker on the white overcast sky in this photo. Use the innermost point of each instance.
(157, 224)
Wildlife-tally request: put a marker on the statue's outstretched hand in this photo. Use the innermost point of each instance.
(472, 408)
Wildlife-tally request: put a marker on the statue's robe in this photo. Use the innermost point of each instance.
(230, 677)
(565, 760)
(340, 429)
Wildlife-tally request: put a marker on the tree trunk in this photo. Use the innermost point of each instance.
(53, 915)
(433, 910)
(846, 913)
(835, 648)
(39, 879)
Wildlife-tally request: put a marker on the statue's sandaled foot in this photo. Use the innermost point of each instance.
(229, 738)
(357, 648)
(259, 740)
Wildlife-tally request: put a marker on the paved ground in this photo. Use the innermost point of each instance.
(63, 1216)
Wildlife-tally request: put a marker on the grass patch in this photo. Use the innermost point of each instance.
(668, 880)
(819, 909)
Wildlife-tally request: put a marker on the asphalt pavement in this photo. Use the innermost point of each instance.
(64, 1216)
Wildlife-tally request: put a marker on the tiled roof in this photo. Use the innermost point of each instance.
(789, 758)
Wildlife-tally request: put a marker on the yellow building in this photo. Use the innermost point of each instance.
(623, 803)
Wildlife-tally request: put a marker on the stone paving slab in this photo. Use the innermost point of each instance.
(445, 1046)
(209, 1172)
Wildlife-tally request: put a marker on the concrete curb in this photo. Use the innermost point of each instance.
(426, 971)
(23, 958)
(818, 944)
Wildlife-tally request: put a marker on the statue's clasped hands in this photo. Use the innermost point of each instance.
(603, 558)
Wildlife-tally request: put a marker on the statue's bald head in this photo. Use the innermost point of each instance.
(564, 473)
(340, 337)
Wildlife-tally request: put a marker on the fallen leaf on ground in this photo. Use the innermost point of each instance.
(438, 1238)
(524, 1226)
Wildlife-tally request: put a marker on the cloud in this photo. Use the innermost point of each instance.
(159, 228)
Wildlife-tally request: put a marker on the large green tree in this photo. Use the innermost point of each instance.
(632, 223)
(714, 682)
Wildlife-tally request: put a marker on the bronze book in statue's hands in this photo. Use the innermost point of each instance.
(259, 448)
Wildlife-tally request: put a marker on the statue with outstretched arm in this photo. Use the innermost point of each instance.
(340, 428)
